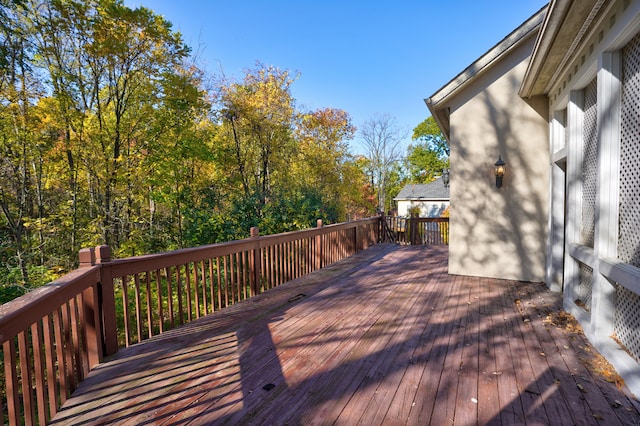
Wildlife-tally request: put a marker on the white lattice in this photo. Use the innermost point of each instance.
(627, 320)
(629, 220)
(627, 314)
(584, 287)
(589, 164)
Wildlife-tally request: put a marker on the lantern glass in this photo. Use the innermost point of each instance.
(501, 169)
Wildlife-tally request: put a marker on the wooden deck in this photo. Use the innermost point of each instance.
(385, 337)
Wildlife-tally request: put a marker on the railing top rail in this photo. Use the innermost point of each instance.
(18, 314)
(421, 219)
(269, 240)
(150, 262)
(137, 264)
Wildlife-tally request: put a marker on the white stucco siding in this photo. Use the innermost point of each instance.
(499, 232)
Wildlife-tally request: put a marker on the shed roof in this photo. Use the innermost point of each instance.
(424, 192)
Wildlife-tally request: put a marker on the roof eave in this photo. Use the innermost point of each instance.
(436, 101)
(565, 28)
(441, 116)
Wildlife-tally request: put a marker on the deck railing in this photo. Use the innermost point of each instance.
(417, 230)
(55, 335)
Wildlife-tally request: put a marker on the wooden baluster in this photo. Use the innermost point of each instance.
(136, 283)
(68, 348)
(318, 247)
(219, 277)
(147, 278)
(49, 348)
(11, 378)
(203, 280)
(180, 293)
(25, 377)
(172, 320)
(196, 287)
(125, 307)
(212, 288)
(76, 325)
(187, 275)
(254, 262)
(62, 367)
(228, 299)
(38, 370)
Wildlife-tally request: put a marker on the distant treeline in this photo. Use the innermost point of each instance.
(111, 134)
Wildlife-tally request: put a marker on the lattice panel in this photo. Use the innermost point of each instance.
(583, 289)
(627, 315)
(589, 163)
(629, 218)
(627, 320)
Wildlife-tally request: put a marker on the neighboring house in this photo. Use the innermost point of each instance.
(559, 100)
(432, 199)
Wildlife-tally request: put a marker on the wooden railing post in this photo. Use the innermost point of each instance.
(254, 262)
(107, 301)
(91, 312)
(319, 249)
(413, 229)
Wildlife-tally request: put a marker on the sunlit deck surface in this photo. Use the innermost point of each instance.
(385, 337)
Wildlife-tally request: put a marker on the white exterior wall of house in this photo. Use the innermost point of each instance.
(498, 232)
(432, 208)
(594, 249)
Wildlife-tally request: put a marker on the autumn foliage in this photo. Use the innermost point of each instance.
(110, 134)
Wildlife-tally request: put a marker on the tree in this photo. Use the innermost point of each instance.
(320, 167)
(18, 89)
(361, 200)
(381, 139)
(258, 117)
(429, 132)
(108, 136)
(429, 152)
(90, 93)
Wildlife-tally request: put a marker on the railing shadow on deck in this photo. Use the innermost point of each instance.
(54, 336)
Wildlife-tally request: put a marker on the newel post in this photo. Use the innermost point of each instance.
(254, 261)
(319, 249)
(413, 226)
(91, 311)
(358, 243)
(108, 303)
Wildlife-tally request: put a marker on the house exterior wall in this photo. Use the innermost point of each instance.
(427, 208)
(499, 232)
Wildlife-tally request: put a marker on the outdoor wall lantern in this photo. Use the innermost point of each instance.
(445, 177)
(501, 168)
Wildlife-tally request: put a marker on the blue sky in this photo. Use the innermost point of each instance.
(365, 57)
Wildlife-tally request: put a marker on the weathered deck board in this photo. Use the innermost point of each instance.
(386, 337)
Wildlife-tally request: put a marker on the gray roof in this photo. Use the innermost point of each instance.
(430, 191)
